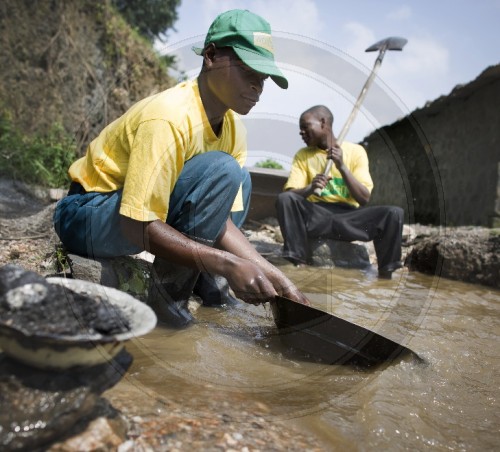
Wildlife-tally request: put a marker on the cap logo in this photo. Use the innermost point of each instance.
(263, 40)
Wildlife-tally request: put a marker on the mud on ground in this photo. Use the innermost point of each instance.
(27, 237)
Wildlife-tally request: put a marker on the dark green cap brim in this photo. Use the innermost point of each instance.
(258, 63)
(263, 65)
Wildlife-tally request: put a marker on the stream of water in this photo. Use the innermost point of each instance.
(234, 359)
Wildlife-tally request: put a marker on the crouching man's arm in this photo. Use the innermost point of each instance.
(252, 278)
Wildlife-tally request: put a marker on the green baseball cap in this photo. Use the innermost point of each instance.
(250, 37)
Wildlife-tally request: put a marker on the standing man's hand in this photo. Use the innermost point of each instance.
(319, 182)
(357, 190)
(335, 153)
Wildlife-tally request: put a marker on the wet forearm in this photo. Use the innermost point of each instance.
(234, 241)
(163, 241)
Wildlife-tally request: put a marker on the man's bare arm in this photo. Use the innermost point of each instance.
(246, 278)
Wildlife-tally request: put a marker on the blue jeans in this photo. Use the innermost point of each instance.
(88, 224)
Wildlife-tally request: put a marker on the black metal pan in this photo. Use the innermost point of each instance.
(329, 339)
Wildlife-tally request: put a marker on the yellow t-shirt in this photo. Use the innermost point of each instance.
(310, 161)
(144, 150)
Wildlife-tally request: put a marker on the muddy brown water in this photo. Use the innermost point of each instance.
(233, 361)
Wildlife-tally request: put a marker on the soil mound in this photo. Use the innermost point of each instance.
(72, 62)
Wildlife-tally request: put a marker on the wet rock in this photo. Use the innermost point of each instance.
(39, 407)
(106, 430)
(465, 254)
(335, 253)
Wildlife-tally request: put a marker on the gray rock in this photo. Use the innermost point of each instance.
(335, 253)
(39, 407)
(465, 254)
(126, 273)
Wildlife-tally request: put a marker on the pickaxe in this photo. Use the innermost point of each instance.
(392, 43)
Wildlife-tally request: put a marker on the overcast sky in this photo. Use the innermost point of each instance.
(320, 46)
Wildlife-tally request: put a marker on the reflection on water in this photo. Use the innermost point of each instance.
(233, 358)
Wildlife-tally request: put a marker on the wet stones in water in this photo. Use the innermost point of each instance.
(38, 407)
(29, 302)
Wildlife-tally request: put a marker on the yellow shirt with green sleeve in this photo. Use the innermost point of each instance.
(310, 161)
(144, 150)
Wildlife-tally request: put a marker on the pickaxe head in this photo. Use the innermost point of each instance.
(392, 43)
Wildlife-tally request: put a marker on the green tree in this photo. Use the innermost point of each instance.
(40, 159)
(151, 18)
(269, 163)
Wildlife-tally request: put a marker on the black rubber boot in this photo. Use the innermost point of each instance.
(386, 272)
(169, 292)
(214, 291)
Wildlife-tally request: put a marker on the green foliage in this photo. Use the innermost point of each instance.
(41, 159)
(269, 163)
(151, 18)
(60, 257)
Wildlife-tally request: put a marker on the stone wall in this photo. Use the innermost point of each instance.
(441, 163)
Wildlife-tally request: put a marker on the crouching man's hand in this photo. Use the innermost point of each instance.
(287, 288)
(250, 283)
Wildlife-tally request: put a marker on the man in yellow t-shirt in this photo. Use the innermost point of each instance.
(168, 177)
(336, 213)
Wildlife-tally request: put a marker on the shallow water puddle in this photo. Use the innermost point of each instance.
(233, 358)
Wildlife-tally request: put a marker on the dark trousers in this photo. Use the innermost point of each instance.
(301, 220)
